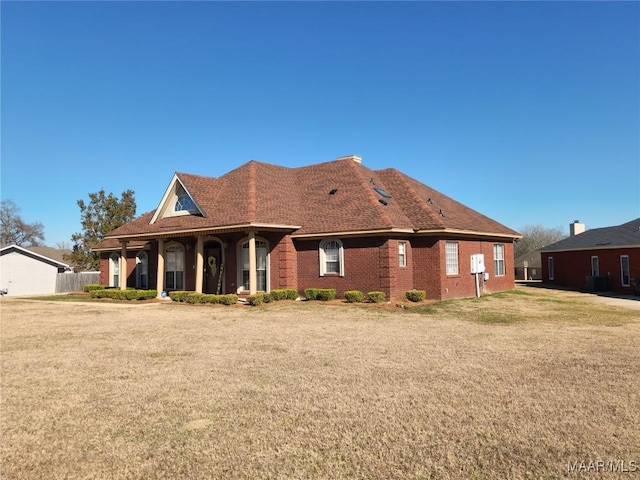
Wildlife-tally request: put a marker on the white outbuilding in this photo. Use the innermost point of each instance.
(24, 272)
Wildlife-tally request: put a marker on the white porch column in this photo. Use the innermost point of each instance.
(199, 263)
(160, 274)
(253, 278)
(123, 265)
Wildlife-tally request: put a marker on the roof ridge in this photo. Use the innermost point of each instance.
(420, 202)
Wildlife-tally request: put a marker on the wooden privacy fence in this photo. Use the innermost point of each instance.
(75, 282)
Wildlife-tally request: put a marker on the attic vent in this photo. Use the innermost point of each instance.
(333, 191)
(441, 213)
(383, 201)
(355, 158)
(430, 202)
(382, 192)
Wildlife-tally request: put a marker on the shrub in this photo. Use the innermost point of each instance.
(178, 295)
(416, 295)
(375, 297)
(118, 294)
(255, 300)
(93, 286)
(354, 296)
(311, 293)
(195, 297)
(284, 294)
(323, 294)
(326, 294)
(228, 299)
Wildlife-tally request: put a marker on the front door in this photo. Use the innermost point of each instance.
(212, 268)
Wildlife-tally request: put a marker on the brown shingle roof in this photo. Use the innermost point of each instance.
(262, 193)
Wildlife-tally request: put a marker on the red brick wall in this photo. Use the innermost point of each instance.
(430, 268)
(426, 266)
(400, 278)
(362, 266)
(571, 268)
(371, 264)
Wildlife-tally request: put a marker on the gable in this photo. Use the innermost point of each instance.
(21, 251)
(177, 201)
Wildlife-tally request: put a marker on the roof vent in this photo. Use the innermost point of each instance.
(355, 158)
(333, 191)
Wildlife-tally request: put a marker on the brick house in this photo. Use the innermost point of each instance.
(599, 259)
(336, 224)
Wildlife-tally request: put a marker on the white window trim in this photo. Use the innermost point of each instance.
(550, 268)
(166, 263)
(322, 257)
(446, 259)
(595, 272)
(140, 262)
(114, 269)
(628, 284)
(240, 266)
(402, 254)
(499, 247)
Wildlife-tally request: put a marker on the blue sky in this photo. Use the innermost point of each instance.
(525, 111)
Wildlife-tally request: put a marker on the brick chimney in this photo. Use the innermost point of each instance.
(576, 227)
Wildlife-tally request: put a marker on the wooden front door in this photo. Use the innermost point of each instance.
(212, 268)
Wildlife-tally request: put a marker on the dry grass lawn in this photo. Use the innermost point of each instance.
(512, 385)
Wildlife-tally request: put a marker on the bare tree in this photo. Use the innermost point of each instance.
(535, 237)
(14, 230)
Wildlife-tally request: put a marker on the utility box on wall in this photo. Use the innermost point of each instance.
(477, 263)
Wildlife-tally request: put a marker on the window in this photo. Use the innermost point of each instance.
(331, 257)
(114, 270)
(451, 254)
(595, 268)
(142, 270)
(498, 259)
(184, 203)
(550, 272)
(261, 266)
(624, 270)
(402, 254)
(174, 267)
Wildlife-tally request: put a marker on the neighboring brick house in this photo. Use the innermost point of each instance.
(335, 225)
(599, 259)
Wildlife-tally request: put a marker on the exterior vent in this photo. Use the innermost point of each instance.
(355, 158)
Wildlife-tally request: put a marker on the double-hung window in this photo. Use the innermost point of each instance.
(498, 259)
(174, 267)
(331, 257)
(114, 268)
(142, 270)
(402, 254)
(624, 270)
(595, 266)
(451, 256)
(262, 251)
